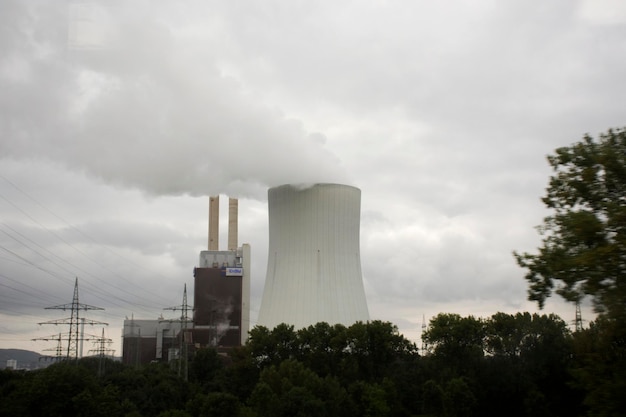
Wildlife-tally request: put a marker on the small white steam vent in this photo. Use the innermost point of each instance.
(314, 262)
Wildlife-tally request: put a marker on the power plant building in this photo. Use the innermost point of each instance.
(145, 341)
(222, 285)
(221, 302)
(314, 263)
(221, 297)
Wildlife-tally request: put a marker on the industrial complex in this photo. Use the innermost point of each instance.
(313, 275)
(220, 315)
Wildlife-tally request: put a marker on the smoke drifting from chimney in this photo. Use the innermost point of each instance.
(148, 109)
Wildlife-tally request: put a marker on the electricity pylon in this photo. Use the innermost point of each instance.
(184, 336)
(74, 335)
(59, 349)
(424, 329)
(578, 322)
(102, 351)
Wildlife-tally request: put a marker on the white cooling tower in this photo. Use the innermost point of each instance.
(314, 262)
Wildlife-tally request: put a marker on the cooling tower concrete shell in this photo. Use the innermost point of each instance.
(314, 261)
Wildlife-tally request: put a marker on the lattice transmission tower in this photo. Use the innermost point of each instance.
(75, 334)
(578, 322)
(185, 336)
(424, 329)
(58, 350)
(102, 350)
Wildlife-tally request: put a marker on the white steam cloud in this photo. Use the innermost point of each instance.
(140, 102)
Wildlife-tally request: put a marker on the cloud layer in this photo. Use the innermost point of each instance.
(144, 106)
(118, 118)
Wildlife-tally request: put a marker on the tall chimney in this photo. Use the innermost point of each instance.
(214, 222)
(233, 208)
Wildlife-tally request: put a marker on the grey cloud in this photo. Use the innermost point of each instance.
(150, 111)
(441, 113)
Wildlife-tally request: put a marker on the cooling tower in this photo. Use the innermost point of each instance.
(314, 262)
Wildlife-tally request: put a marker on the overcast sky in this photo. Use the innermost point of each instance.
(119, 118)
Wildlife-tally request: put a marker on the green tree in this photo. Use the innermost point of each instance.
(583, 253)
(529, 356)
(584, 239)
(15, 392)
(152, 389)
(370, 399)
(221, 404)
(173, 413)
(432, 398)
(376, 347)
(60, 390)
(524, 335)
(600, 366)
(458, 399)
(320, 347)
(456, 342)
(272, 346)
(204, 367)
(291, 389)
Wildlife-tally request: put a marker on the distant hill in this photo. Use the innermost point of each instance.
(26, 359)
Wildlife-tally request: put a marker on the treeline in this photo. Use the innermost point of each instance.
(513, 365)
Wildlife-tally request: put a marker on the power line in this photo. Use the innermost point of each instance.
(53, 262)
(129, 261)
(96, 290)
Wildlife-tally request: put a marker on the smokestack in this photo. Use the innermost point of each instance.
(233, 219)
(214, 222)
(314, 263)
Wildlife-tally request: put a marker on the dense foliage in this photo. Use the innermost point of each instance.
(583, 254)
(513, 365)
(584, 245)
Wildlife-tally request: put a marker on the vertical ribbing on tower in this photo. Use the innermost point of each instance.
(314, 262)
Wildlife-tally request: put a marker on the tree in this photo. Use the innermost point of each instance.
(204, 366)
(600, 366)
(291, 389)
(321, 346)
(584, 253)
(370, 399)
(459, 401)
(529, 355)
(241, 374)
(221, 404)
(54, 390)
(584, 239)
(456, 342)
(523, 335)
(432, 398)
(272, 346)
(375, 347)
